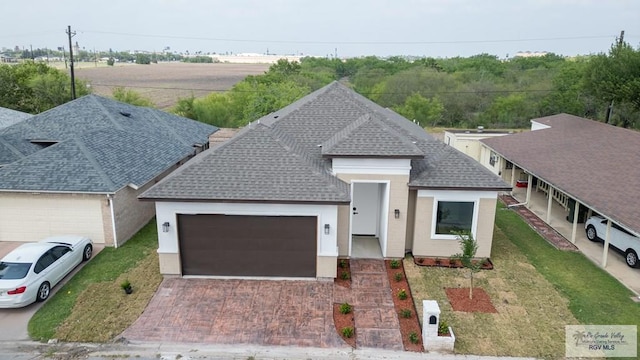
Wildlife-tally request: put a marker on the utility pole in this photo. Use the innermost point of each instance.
(610, 107)
(73, 80)
(32, 57)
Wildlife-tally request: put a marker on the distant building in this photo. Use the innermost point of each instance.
(468, 141)
(531, 53)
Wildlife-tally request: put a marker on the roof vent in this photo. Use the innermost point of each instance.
(275, 116)
(480, 128)
(125, 114)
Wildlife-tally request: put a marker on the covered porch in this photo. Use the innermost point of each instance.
(555, 213)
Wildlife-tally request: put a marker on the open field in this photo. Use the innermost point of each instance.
(165, 83)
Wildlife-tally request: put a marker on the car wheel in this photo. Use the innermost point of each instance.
(631, 258)
(591, 233)
(87, 252)
(43, 291)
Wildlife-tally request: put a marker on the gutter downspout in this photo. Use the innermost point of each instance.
(526, 202)
(113, 221)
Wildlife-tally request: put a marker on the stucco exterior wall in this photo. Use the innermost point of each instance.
(326, 266)
(169, 247)
(344, 216)
(426, 244)
(411, 219)
(398, 199)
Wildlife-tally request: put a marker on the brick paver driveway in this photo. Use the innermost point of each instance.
(261, 312)
(270, 312)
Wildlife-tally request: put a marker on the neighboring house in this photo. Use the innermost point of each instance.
(78, 168)
(582, 163)
(9, 117)
(468, 141)
(287, 194)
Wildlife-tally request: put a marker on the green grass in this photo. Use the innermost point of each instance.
(595, 297)
(104, 270)
(591, 291)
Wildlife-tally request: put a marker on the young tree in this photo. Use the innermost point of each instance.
(469, 247)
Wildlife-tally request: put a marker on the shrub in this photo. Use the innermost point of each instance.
(402, 294)
(443, 328)
(345, 308)
(398, 276)
(347, 332)
(345, 275)
(413, 337)
(405, 313)
(395, 264)
(343, 263)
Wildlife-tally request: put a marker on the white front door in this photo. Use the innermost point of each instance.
(365, 209)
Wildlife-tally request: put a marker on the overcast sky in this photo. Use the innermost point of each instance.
(437, 28)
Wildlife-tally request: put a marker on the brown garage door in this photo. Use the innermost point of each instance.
(238, 245)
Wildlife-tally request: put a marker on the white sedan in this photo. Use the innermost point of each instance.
(621, 239)
(28, 273)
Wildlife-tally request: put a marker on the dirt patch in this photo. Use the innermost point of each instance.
(165, 83)
(343, 273)
(459, 299)
(405, 309)
(343, 321)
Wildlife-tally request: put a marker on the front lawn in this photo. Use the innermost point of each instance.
(536, 289)
(91, 306)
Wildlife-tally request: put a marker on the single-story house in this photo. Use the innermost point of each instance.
(584, 165)
(467, 141)
(288, 194)
(79, 168)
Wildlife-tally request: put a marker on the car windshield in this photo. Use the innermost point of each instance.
(13, 271)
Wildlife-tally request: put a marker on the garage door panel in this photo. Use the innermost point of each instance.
(239, 245)
(25, 217)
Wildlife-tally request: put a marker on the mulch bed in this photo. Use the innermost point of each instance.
(459, 299)
(344, 320)
(343, 268)
(446, 262)
(407, 325)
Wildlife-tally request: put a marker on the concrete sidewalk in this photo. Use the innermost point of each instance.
(148, 350)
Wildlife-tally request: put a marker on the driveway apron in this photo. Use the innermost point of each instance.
(271, 312)
(260, 312)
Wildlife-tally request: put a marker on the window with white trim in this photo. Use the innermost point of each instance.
(454, 216)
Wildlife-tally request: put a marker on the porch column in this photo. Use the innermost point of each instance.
(529, 185)
(575, 222)
(549, 203)
(605, 251)
(513, 178)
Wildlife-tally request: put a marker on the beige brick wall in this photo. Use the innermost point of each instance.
(425, 246)
(132, 214)
(398, 199)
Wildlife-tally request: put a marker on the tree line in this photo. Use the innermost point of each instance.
(454, 92)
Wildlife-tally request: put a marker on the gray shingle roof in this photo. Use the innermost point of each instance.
(94, 144)
(285, 156)
(594, 162)
(256, 165)
(9, 117)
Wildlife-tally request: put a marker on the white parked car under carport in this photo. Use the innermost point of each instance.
(596, 228)
(28, 273)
